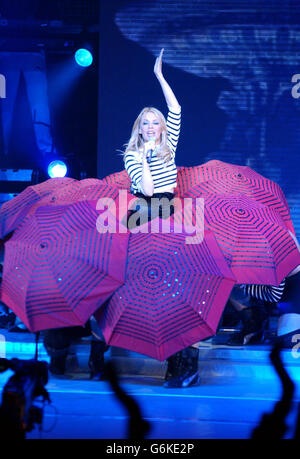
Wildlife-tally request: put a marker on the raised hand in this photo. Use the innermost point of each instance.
(171, 100)
(158, 64)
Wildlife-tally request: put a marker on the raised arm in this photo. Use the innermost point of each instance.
(169, 95)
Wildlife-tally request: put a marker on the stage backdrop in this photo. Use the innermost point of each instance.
(233, 66)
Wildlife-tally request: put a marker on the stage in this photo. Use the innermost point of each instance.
(238, 385)
(74, 138)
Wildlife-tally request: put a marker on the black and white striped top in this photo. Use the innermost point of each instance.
(268, 293)
(164, 175)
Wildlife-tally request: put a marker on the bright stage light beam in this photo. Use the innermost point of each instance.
(83, 57)
(57, 169)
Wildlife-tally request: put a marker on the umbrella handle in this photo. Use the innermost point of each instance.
(37, 336)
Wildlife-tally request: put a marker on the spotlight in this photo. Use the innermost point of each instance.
(57, 168)
(83, 57)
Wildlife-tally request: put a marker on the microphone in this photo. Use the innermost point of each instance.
(151, 144)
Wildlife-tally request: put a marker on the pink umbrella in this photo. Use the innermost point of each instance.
(120, 180)
(59, 267)
(173, 296)
(13, 212)
(85, 189)
(116, 200)
(109, 196)
(253, 237)
(217, 177)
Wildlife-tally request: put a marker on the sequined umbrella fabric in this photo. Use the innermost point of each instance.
(59, 268)
(173, 296)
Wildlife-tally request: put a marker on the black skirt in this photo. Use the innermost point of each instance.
(149, 207)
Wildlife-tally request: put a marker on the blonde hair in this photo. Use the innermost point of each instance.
(136, 140)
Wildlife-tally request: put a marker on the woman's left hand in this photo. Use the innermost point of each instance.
(158, 64)
(170, 97)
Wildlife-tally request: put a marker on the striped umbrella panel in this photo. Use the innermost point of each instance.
(218, 177)
(59, 269)
(105, 197)
(119, 179)
(13, 212)
(173, 296)
(87, 189)
(253, 238)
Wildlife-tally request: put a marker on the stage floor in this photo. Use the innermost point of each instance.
(238, 385)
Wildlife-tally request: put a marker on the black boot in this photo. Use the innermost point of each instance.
(57, 346)
(57, 342)
(58, 358)
(253, 321)
(173, 363)
(96, 360)
(183, 368)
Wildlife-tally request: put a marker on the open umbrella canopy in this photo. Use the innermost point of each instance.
(120, 180)
(253, 237)
(13, 212)
(217, 177)
(59, 268)
(85, 189)
(60, 191)
(173, 296)
(108, 196)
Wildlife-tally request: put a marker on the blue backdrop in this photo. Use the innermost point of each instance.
(231, 65)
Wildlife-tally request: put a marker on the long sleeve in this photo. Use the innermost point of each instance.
(173, 129)
(269, 293)
(134, 169)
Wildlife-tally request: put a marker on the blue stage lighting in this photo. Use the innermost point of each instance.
(57, 169)
(83, 57)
